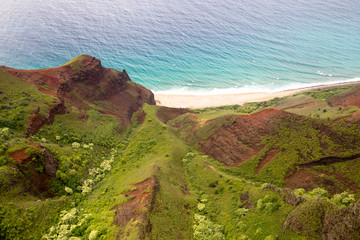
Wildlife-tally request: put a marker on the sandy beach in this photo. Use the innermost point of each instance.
(200, 101)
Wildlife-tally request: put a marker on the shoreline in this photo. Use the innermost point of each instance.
(202, 101)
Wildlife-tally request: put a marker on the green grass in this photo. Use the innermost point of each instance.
(221, 192)
(324, 111)
(18, 100)
(325, 93)
(294, 101)
(76, 63)
(151, 150)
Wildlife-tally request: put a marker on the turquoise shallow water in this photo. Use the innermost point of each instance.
(189, 46)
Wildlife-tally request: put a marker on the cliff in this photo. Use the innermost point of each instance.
(83, 82)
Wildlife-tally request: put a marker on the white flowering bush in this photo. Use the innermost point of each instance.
(75, 145)
(86, 146)
(86, 187)
(97, 174)
(69, 220)
(94, 171)
(68, 190)
(43, 140)
(58, 138)
(204, 229)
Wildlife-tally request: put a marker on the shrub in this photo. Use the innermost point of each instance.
(343, 199)
(31, 151)
(201, 206)
(319, 192)
(204, 229)
(75, 145)
(268, 204)
(241, 212)
(299, 191)
(68, 190)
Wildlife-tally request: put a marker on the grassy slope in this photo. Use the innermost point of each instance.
(197, 196)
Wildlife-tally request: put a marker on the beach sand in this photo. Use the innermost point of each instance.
(201, 101)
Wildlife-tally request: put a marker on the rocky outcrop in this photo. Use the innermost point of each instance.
(37, 120)
(286, 194)
(37, 168)
(320, 219)
(84, 81)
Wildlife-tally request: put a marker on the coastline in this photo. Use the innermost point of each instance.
(202, 101)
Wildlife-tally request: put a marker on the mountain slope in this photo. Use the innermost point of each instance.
(84, 154)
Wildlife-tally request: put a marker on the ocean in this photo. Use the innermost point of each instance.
(189, 46)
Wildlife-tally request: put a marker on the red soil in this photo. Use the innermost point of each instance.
(38, 180)
(352, 99)
(310, 178)
(165, 113)
(138, 205)
(268, 157)
(19, 156)
(47, 92)
(240, 141)
(85, 82)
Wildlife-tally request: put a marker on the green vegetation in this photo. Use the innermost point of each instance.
(18, 100)
(323, 94)
(76, 63)
(87, 177)
(295, 100)
(324, 111)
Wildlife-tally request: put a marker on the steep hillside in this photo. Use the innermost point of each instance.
(84, 83)
(85, 154)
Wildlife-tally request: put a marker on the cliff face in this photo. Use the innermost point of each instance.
(84, 81)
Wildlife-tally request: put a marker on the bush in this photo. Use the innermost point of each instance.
(204, 229)
(268, 204)
(319, 192)
(343, 199)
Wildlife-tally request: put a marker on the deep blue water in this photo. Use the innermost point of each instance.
(188, 45)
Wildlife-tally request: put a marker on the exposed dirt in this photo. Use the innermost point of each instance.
(245, 199)
(310, 178)
(240, 141)
(136, 208)
(81, 83)
(268, 157)
(37, 169)
(350, 97)
(37, 121)
(302, 179)
(140, 117)
(19, 156)
(165, 113)
(47, 91)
